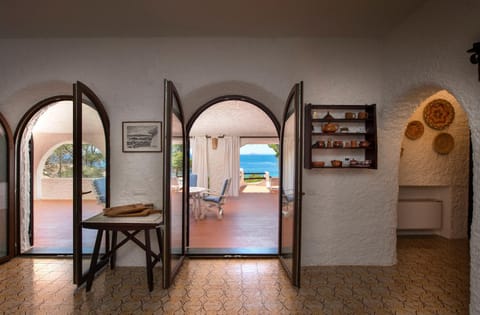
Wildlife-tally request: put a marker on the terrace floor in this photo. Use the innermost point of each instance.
(53, 225)
(249, 225)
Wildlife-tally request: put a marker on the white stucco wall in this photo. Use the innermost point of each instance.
(349, 216)
(421, 168)
(128, 74)
(422, 57)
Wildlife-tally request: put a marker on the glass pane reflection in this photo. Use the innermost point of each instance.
(176, 189)
(93, 168)
(288, 192)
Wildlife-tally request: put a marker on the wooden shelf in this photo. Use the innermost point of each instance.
(343, 148)
(326, 154)
(356, 120)
(345, 167)
(340, 134)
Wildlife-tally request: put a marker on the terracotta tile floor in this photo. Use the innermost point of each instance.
(53, 221)
(249, 221)
(431, 277)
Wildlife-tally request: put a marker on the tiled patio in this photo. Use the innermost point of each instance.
(250, 221)
(431, 277)
(53, 225)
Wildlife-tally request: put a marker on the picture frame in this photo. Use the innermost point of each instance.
(142, 136)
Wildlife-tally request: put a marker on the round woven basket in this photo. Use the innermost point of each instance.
(443, 143)
(414, 130)
(438, 114)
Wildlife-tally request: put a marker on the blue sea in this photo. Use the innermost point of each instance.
(259, 163)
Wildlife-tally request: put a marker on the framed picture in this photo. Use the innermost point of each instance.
(142, 136)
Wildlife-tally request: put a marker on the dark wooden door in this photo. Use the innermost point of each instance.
(89, 121)
(174, 194)
(7, 210)
(291, 184)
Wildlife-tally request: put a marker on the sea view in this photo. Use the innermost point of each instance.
(259, 163)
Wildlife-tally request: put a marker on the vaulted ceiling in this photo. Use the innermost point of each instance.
(233, 118)
(148, 18)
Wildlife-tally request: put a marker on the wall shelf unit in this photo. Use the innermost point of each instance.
(354, 140)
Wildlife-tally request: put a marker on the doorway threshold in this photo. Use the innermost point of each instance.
(48, 251)
(232, 252)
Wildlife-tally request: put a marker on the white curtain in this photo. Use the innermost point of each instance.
(232, 163)
(200, 160)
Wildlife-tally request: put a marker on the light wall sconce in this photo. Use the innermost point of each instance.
(475, 57)
(214, 143)
(214, 140)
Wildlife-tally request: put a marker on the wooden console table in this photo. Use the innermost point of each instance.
(130, 227)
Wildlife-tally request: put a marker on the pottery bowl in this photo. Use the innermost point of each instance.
(318, 163)
(336, 163)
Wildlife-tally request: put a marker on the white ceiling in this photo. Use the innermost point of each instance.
(58, 118)
(233, 118)
(147, 18)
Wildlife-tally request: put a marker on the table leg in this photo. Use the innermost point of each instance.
(93, 262)
(195, 208)
(160, 244)
(201, 215)
(148, 255)
(113, 255)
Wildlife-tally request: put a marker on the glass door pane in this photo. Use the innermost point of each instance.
(6, 197)
(174, 192)
(291, 181)
(90, 173)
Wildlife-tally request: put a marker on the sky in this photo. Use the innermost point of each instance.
(256, 149)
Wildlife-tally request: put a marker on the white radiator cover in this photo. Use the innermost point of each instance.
(419, 214)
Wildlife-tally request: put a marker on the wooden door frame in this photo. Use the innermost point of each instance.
(10, 187)
(189, 125)
(297, 92)
(171, 94)
(79, 90)
(19, 131)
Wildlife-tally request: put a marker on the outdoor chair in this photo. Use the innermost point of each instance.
(193, 183)
(193, 180)
(100, 189)
(216, 201)
(288, 198)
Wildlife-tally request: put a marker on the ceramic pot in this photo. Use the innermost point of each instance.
(364, 144)
(349, 115)
(336, 163)
(318, 163)
(330, 128)
(362, 115)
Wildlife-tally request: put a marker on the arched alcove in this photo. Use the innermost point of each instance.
(435, 183)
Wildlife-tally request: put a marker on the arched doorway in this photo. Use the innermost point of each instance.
(46, 183)
(433, 197)
(219, 132)
(435, 165)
